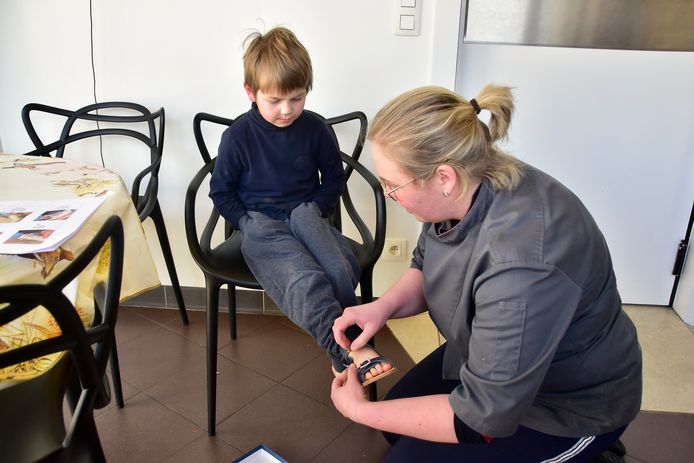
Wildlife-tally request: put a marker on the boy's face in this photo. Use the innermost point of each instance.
(279, 109)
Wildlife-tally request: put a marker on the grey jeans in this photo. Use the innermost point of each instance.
(306, 266)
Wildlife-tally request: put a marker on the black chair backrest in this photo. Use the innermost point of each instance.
(137, 114)
(373, 242)
(23, 434)
(200, 137)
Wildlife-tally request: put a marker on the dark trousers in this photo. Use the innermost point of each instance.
(525, 446)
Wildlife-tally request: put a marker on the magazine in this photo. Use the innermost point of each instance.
(28, 227)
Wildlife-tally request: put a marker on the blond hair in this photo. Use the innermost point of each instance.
(276, 61)
(430, 126)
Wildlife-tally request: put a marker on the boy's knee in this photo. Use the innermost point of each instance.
(305, 210)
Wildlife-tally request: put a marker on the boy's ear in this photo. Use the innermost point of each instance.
(249, 92)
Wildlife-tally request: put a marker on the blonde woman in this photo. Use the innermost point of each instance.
(541, 364)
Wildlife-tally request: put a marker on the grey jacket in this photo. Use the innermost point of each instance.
(524, 292)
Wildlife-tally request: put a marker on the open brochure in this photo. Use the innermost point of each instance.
(40, 226)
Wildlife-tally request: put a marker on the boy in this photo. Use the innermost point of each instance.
(266, 183)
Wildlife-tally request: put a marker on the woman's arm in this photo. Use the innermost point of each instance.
(403, 299)
(428, 417)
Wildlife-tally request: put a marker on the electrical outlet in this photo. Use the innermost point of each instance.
(395, 249)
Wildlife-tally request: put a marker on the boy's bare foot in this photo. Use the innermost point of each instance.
(371, 365)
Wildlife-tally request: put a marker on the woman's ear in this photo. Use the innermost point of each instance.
(446, 177)
(249, 92)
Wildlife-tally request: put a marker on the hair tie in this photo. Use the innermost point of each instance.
(475, 106)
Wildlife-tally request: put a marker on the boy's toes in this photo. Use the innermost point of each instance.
(378, 370)
(370, 365)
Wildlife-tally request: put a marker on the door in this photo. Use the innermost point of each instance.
(616, 127)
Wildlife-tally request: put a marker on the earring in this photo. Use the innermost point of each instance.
(445, 193)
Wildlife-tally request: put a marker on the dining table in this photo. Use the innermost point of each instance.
(26, 180)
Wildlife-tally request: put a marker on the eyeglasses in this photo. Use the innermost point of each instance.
(390, 192)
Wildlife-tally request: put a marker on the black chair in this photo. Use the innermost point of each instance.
(126, 123)
(223, 263)
(32, 423)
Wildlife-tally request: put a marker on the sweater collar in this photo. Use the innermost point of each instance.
(258, 119)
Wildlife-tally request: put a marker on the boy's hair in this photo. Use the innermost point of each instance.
(276, 61)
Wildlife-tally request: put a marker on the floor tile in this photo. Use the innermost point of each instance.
(132, 325)
(185, 392)
(144, 431)
(291, 424)
(206, 449)
(661, 438)
(418, 335)
(147, 360)
(313, 379)
(128, 390)
(356, 444)
(668, 365)
(160, 316)
(196, 330)
(277, 350)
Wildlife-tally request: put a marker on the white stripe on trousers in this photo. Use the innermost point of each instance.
(578, 447)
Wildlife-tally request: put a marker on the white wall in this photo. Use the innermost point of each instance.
(186, 57)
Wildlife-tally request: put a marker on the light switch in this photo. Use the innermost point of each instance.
(407, 22)
(407, 17)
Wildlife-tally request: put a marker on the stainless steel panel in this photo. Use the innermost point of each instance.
(666, 25)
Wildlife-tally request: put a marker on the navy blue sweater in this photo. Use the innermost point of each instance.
(269, 169)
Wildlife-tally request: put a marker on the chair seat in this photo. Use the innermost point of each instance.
(44, 427)
(361, 252)
(218, 259)
(218, 262)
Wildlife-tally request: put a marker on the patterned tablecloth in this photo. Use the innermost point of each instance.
(42, 178)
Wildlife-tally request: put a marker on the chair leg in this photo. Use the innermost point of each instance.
(113, 360)
(74, 390)
(373, 390)
(212, 322)
(231, 292)
(365, 284)
(158, 220)
(82, 442)
(115, 375)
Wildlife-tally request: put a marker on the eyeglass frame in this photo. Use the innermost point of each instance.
(390, 192)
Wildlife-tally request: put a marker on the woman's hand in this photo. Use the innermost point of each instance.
(405, 298)
(427, 417)
(347, 393)
(369, 317)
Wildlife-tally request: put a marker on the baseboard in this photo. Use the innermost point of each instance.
(247, 300)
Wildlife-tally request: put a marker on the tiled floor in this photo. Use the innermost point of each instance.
(273, 388)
